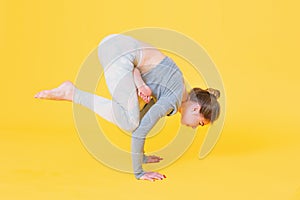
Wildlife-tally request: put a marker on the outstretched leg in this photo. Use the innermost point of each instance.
(105, 108)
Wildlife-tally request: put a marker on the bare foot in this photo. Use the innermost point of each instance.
(145, 92)
(63, 92)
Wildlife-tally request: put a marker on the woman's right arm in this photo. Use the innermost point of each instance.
(160, 109)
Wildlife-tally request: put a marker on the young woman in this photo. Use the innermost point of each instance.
(134, 69)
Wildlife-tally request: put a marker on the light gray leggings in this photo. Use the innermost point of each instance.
(117, 54)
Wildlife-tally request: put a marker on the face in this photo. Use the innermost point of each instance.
(190, 115)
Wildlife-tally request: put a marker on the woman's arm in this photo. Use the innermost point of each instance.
(160, 109)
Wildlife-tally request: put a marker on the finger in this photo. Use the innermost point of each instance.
(162, 176)
(154, 177)
(157, 157)
(157, 175)
(153, 160)
(153, 156)
(38, 95)
(147, 178)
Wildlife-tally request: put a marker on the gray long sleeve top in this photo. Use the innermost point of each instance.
(167, 85)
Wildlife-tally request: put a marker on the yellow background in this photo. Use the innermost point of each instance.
(255, 46)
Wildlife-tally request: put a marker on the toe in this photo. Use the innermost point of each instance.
(146, 99)
(42, 94)
(38, 95)
(140, 94)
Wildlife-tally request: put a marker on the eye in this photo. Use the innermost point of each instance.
(201, 124)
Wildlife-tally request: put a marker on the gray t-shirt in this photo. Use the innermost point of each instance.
(167, 85)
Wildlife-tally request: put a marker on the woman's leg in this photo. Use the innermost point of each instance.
(144, 91)
(102, 106)
(116, 54)
(122, 110)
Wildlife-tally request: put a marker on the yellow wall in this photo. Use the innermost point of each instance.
(254, 44)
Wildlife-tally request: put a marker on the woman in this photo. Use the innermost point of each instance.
(136, 69)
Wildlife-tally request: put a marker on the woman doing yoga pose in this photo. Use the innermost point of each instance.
(134, 69)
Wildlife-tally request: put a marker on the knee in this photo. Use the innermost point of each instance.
(131, 126)
(106, 38)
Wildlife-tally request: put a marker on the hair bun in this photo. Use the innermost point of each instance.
(214, 92)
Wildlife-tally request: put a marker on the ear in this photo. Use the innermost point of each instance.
(196, 108)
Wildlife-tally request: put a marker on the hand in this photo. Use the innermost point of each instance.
(153, 159)
(152, 176)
